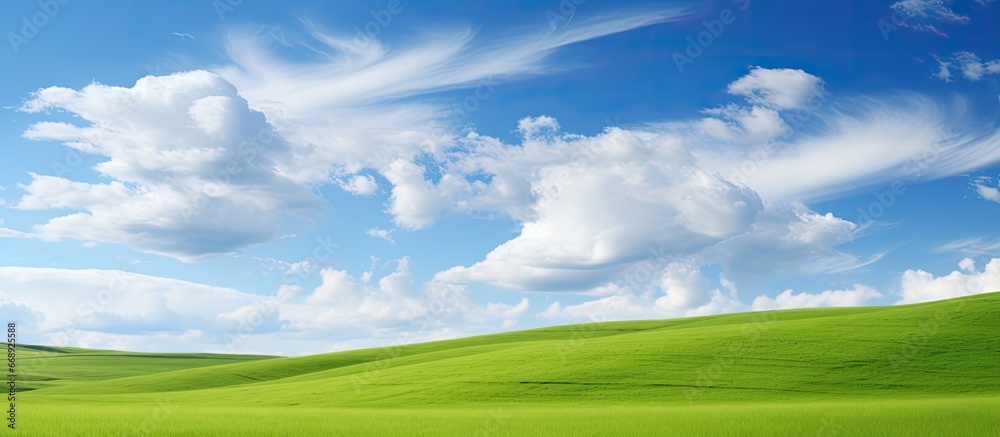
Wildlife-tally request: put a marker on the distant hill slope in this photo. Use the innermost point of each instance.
(51, 366)
(941, 348)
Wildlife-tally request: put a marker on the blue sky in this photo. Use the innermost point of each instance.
(300, 177)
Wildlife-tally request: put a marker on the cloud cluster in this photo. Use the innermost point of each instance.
(114, 309)
(184, 156)
(922, 286)
(859, 295)
(592, 207)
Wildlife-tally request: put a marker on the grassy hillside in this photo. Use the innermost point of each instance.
(927, 368)
(49, 366)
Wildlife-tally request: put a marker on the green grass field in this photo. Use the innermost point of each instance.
(926, 369)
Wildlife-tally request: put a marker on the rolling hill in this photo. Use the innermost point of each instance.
(931, 368)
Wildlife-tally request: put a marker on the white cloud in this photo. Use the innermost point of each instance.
(863, 142)
(923, 14)
(943, 70)
(356, 106)
(987, 189)
(797, 241)
(618, 306)
(343, 300)
(936, 9)
(118, 301)
(362, 185)
(922, 286)
(434, 62)
(508, 312)
(382, 234)
(782, 88)
(682, 292)
(26, 317)
(738, 124)
(976, 246)
(532, 126)
(592, 205)
(684, 286)
(416, 202)
(859, 295)
(972, 67)
(288, 291)
(10, 233)
(298, 268)
(185, 156)
(625, 305)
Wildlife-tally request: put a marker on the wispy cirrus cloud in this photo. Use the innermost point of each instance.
(439, 60)
(974, 246)
(928, 15)
(969, 64)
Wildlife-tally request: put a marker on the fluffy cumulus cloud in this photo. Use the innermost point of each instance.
(592, 205)
(922, 286)
(183, 156)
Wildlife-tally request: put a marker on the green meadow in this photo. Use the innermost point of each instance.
(925, 369)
